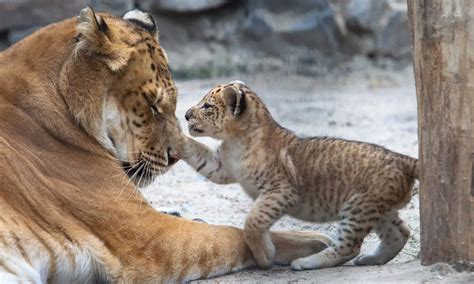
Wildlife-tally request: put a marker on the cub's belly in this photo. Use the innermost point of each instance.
(250, 189)
(309, 210)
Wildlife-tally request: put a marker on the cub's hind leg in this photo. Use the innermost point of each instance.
(393, 233)
(355, 226)
(267, 209)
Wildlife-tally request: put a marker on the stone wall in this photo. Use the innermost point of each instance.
(208, 37)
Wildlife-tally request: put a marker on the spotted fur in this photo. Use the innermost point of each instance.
(143, 92)
(317, 179)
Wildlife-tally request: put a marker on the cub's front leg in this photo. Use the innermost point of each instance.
(267, 209)
(206, 161)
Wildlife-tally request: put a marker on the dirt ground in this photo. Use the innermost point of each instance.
(373, 106)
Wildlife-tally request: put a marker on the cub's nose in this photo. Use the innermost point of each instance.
(188, 114)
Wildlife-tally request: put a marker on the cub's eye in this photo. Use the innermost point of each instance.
(206, 106)
(154, 111)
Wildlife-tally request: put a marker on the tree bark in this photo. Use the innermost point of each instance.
(443, 58)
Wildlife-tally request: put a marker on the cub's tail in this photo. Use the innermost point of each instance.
(411, 168)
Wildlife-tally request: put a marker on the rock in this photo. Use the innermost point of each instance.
(304, 36)
(365, 15)
(24, 17)
(27, 13)
(256, 27)
(375, 28)
(306, 23)
(4, 43)
(442, 268)
(394, 39)
(115, 7)
(17, 34)
(180, 6)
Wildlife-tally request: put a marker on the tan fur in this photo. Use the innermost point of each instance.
(75, 98)
(315, 179)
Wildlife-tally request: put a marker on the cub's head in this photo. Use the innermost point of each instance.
(119, 88)
(224, 112)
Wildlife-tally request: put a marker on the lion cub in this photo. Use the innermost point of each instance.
(316, 179)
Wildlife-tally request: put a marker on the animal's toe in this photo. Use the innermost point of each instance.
(296, 265)
(299, 264)
(263, 261)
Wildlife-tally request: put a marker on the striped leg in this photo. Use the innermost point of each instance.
(267, 209)
(206, 162)
(355, 225)
(393, 234)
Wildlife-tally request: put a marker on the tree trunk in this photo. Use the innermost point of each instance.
(443, 58)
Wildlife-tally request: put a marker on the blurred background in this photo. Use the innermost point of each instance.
(206, 38)
(324, 67)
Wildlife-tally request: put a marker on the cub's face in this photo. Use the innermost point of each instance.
(221, 113)
(138, 122)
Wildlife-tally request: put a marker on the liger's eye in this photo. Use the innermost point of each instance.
(154, 111)
(206, 106)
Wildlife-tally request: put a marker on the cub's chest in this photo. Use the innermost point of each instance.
(231, 156)
(232, 162)
(235, 164)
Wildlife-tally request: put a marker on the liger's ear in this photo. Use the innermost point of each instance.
(92, 30)
(93, 35)
(143, 20)
(235, 100)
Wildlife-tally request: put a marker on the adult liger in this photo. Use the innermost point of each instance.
(80, 102)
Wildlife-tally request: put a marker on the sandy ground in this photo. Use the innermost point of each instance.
(376, 107)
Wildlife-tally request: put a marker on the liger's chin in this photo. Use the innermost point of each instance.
(140, 174)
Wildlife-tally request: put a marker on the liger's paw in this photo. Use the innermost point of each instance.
(298, 264)
(304, 263)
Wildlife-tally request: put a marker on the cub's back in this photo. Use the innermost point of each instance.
(338, 160)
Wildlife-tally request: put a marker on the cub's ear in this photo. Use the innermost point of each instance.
(93, 36)
(235, 100)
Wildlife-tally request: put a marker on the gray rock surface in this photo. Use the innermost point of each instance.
(219, 37)
(303, 23)
(378, 28)
(180, 6)
(27, 13)
(16, 34)
(116, 7)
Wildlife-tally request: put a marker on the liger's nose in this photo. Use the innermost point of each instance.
(188, 114)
